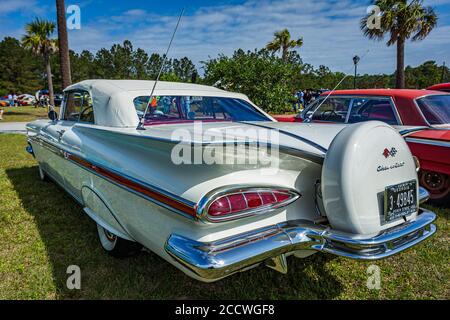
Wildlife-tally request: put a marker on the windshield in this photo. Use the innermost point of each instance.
(310, 108)
(190, 108)
(436, 109)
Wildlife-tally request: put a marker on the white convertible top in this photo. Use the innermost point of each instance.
(113, 99)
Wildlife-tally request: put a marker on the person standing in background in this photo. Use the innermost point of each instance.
(301, 100)
(294, 101)
(38, 98)
(10, 99)
(308, 97)
(187, 106)
(15, 99)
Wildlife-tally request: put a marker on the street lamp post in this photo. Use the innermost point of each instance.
(443, 72)
(355, 62)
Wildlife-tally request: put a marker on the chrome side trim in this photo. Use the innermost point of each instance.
(210, 197)
(48, 145)
(216, 260)
(407, 132)
(140, 194)
(445, 144)
(395, 110)
(307, 141)
(65, 154)
(318, 159)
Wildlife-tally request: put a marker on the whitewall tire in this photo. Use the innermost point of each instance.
(116, 246)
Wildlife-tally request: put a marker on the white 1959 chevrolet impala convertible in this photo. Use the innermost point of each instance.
(214, 185)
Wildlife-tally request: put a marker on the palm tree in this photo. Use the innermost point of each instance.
(38, 40)
(402, 20)
(63, 43)
(282, 41)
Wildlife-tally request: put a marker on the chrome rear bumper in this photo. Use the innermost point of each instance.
(216, 260)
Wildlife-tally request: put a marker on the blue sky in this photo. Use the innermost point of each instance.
(330, 28)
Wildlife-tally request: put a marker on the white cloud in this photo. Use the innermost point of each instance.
(436, 2)
(330, 30)
(27, 7)
(8, 6)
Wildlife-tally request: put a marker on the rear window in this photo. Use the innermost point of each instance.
(436, 109)
(172, 108)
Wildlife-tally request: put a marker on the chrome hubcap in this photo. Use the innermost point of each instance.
(111, 237)
(433, 180)
(436, 183)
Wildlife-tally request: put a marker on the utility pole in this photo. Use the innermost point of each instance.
(355, 62)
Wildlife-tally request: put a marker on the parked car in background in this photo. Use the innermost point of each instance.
(422, 115)
(441, 87)
(42, 98)
(164, 184)
(26, 100)
(4, 102)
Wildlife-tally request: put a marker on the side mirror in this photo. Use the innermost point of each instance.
(52, 115)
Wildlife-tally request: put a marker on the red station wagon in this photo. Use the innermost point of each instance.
(422, 116)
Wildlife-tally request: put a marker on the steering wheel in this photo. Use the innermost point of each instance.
(325, 115)
(156, 115)
(86, 110)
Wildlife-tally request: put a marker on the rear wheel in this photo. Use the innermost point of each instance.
(438, 185)
(116, 246)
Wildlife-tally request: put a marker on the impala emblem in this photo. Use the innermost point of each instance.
(389, 153)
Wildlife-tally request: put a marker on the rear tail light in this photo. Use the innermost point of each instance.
(237, 202)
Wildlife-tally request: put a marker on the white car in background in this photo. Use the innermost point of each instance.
(351, 191)
(26, 100)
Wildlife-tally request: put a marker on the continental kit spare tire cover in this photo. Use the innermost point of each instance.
(361, 162)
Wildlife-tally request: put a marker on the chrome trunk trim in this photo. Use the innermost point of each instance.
(289, 134)
(438, 143)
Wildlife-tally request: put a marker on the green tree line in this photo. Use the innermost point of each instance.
(24, 72)
(269, 80)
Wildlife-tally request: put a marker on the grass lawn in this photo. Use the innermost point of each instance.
(43, 231)
(24, 114)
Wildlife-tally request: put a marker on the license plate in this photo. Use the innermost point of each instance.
(400, 200)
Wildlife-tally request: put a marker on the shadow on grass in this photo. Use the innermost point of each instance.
(13, 113)
(70, 238)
